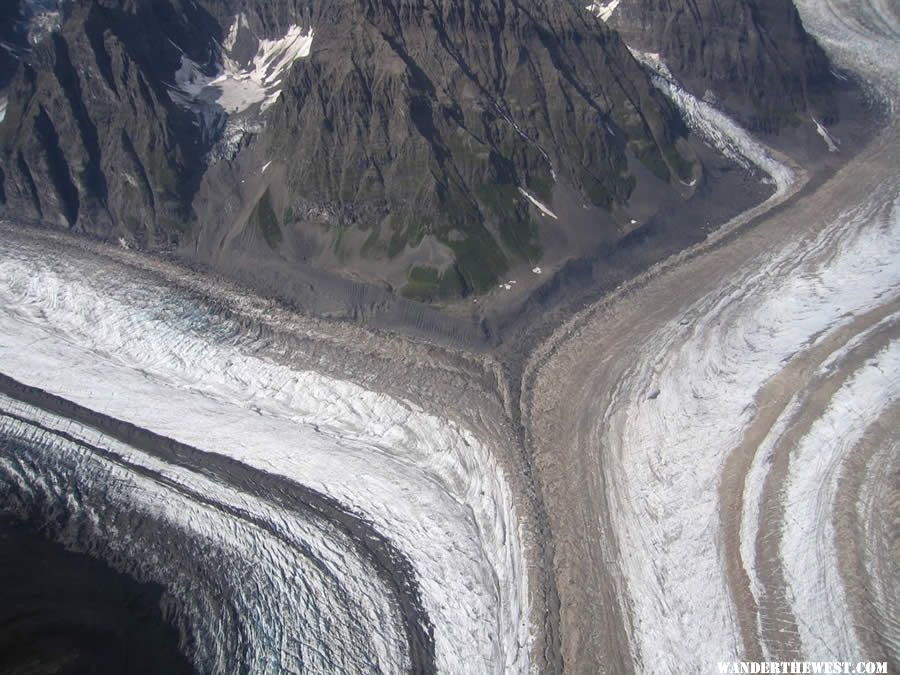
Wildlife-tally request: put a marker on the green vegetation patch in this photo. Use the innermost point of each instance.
(373, 247)
(499, 198)
(517, 229)
(264, 219)
(650, 156)
(604, 194)
(683, 168)
(160, 167)
(479, 260)
(426, 276)
(428, 283)
(541, 187)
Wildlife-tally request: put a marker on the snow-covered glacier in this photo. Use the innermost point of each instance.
(127, 344)
(718, 437)
(234, 565)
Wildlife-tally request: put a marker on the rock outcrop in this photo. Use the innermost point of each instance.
(753, 56)
(417, 145)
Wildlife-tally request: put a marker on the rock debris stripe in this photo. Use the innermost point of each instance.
(564, 395)
(776, 624)
(869, 491)
(391, 564)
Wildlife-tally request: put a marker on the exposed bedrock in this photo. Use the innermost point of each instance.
(424, 148)
(752, 57)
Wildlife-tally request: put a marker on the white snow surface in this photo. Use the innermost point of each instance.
(716, 127)
(236, 88)
(752, 504)
(267, 577)
(707, 365)
(756, 477)
(823, 132)
(240, 21)
(809, 548)
(541, 206)
(603, 11)
(42, 24)
(123, 344)
(662, 450)
(3, 102)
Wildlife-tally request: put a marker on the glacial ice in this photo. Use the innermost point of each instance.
(707, 378)
(126, 345)
(715, 126)
(810, 549)
(241, 580)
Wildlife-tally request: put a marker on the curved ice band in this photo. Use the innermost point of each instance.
(46, 441)
(125, 342)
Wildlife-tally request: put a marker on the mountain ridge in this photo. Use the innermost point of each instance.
(417, 146)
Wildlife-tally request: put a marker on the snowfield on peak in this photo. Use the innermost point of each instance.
(234, 87)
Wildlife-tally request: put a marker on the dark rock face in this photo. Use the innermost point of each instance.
(400, 145)
(754, 55)
(408, 122)
(430, 116)
(65, 612)
(9, 35)
(91, 138)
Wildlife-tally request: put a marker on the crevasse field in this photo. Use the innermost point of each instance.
(716, 444)
(112, 340)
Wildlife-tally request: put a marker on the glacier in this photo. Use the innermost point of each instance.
(123, 343)
(705, 368)
(230, 592)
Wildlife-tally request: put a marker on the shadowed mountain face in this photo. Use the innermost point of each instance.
(462, 104)
(91, 137)
(65, 612)
(416, 144)
(753, 56)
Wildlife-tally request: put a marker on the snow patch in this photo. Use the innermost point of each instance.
(43, 24)
(236, 89)
(240, 21)
(603, 11)
(543, 207)
(823, 132)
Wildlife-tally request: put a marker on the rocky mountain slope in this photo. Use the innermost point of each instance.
(752, 57)
(421, 146)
